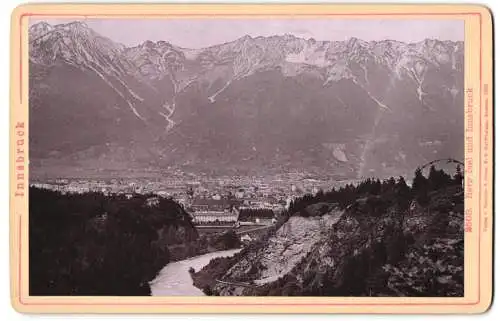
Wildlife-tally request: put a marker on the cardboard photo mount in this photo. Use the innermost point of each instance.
(478, 182)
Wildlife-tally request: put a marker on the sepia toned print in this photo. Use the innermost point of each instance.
(271, 157)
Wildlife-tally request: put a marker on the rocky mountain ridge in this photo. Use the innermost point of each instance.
(157, 104)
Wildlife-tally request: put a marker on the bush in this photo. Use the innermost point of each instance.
(226, 241)
(207, 290)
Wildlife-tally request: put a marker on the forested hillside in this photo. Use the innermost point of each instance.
(92, 244)
(379, 238)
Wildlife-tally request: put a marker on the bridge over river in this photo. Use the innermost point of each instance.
(251, 230)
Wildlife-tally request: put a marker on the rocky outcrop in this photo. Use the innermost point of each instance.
(283, 251)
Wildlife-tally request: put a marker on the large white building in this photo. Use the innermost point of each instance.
(207, 217)
(213, 211)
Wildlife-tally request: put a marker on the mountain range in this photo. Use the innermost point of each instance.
(263, 105)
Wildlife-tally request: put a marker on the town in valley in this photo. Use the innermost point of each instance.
(214, 204)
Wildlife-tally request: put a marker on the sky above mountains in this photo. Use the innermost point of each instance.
(200, 33)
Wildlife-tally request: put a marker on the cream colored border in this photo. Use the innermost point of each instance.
(478, 78)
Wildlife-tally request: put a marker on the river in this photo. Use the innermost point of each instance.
(174, 278)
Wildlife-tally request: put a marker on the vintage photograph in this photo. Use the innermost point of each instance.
(246, 157)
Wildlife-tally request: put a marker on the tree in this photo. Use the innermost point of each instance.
(320, 195)
(376, 187)
(419, 181)
(459, 177)
(388, 185)
(420, 187)
(403, 193)
(438, 178)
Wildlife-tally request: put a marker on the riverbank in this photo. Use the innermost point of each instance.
(204, 244)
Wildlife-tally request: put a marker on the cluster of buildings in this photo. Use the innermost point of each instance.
(209, 200)
(231, 211)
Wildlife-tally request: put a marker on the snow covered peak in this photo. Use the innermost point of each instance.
(289, 36)
(155, 59)
(148, 44)
(354, 42)
(75, 26)
(245, 38)
(74, 43)
(39, 29)
(353, 58)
